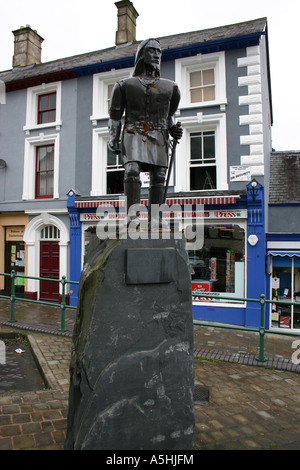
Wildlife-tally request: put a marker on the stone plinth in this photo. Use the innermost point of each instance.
(131, 384)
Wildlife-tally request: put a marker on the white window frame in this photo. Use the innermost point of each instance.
(99, 159)
(33, 94)
(196, 123)
(183, 67)
(101, 81)
(29, 172)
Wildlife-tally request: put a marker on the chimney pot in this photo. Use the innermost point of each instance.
(27, 47)
(127, 16)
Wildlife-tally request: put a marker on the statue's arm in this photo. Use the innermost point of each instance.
(115, 115)
(174, 130)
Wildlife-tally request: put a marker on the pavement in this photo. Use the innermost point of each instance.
(247, 404)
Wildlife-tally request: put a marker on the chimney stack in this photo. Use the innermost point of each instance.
(27, 47)
(127, 16)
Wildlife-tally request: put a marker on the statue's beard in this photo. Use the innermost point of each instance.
(152, 68)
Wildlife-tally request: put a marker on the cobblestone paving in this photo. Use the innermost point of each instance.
(38, 419)
(249, 408)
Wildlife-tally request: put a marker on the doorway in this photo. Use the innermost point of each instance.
(49, 268)
(14, 260)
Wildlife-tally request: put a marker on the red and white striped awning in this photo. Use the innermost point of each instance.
(213, 200)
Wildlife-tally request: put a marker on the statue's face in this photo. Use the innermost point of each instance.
(152, 55)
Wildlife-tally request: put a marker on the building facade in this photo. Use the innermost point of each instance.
(58, 175)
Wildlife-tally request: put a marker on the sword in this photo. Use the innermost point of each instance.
(173, 145)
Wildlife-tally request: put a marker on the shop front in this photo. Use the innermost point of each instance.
(224, 241)
(283, 258)
(13, 251)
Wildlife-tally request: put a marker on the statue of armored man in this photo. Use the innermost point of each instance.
(149, 103)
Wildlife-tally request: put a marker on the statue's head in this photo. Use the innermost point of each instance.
(148, 56)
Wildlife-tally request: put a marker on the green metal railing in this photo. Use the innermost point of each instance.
(261, 330)
(13, 297)
(63, 306)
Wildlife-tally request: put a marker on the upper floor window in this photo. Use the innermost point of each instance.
(110, 87)
(43, 107)
(202, 80)
(202, 160)
(41, 166)
(103, 84)
(202, 85)
(201, 157)
(44, 171)
(46, 108)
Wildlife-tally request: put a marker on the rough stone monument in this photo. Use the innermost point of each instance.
(131, 372)
(132, 365)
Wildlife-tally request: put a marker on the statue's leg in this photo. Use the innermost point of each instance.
(132, 186)
(156, 193)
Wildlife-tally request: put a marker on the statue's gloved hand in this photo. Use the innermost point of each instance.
(176, 131)
(114, 146)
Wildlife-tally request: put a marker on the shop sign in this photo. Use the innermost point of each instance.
(200, 288)
(15, 233)
(168, 214)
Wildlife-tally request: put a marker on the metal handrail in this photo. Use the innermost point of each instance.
(262, 300)
(261, 330)
(13, 298)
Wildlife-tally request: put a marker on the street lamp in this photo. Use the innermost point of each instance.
(253, 189)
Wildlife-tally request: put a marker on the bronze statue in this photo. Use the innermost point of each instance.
(149, 103)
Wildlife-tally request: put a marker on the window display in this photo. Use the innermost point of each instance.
(285, 286)
(219, 266)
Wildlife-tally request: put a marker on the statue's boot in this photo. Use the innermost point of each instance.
(156, 196)
(132, 189)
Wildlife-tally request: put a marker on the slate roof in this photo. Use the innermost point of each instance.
(206, 37)
(284, 178)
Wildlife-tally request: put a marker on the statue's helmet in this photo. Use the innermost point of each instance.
(139, 57)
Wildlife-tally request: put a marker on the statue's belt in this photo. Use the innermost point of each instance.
(143, 127)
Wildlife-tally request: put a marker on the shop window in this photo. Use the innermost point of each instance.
(285, 286)
(46, 108)
(202, 161)
(114, 173)
(218, 267)
(44, 171)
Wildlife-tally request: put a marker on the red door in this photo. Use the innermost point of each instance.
(49, 267)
